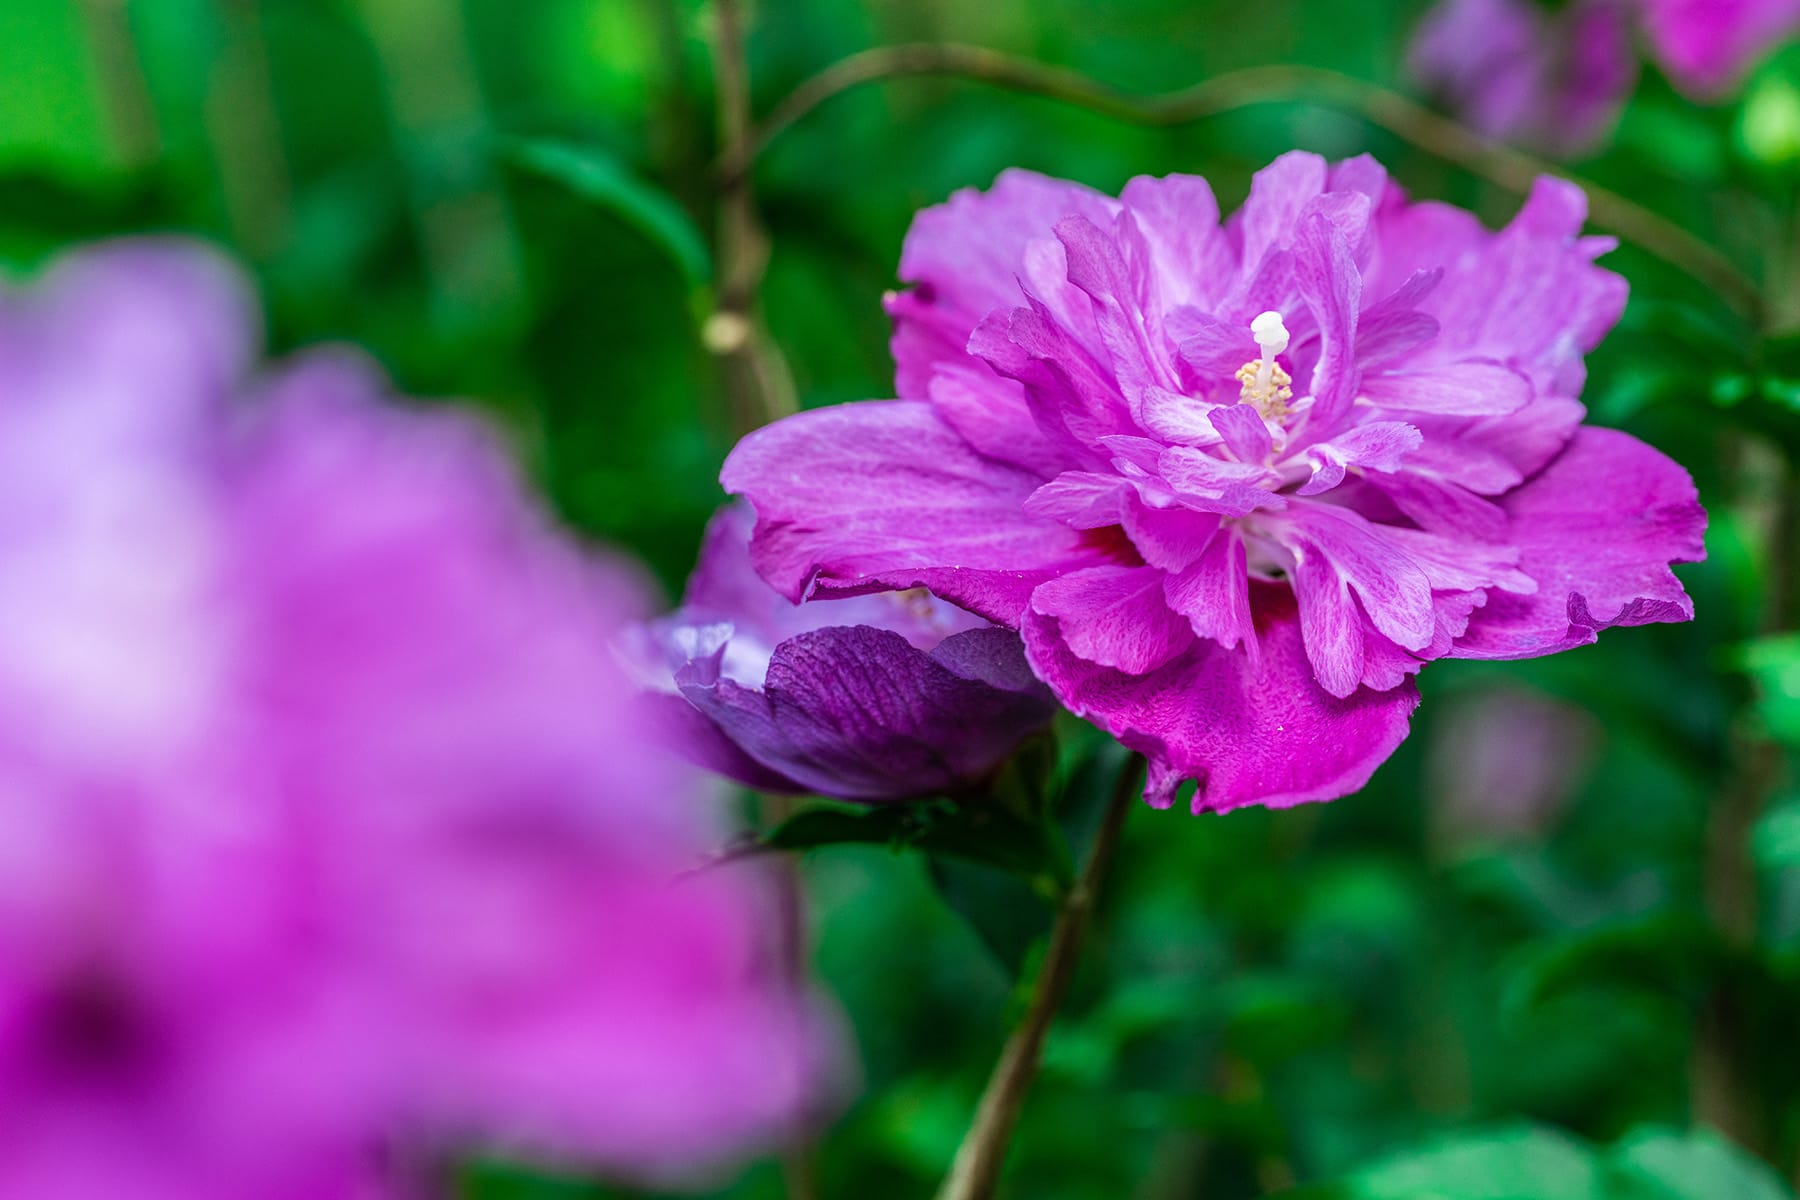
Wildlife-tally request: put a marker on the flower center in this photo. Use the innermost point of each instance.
(1266, 385)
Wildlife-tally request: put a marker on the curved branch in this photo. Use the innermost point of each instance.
(1407, 119)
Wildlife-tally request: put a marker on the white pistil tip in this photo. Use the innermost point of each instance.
(1270, 333)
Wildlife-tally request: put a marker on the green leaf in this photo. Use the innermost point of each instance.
(975, 831)
(1776, 838)
(1007, 912)
(1508, 1164)
(595, 175)
(1660, 1165)
(1775, 664)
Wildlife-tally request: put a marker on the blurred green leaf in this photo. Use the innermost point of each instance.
(1006, 911)
(1511, 1164)
(1658, 1165)
(1775, 664)
(1776, 839)
(595, 175)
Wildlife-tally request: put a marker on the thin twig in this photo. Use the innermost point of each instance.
(1430, 131)
(757, 381)
(1724, 1055)
(976, 1171)
(799, 1165)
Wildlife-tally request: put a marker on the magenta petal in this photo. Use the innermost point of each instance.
(1597, 530)
(1332, 288)
(1279, 193)
(1178, 217)
(1245, 432)
(964, 256)
(1473, 388)
(1115, 616)
(1252, 730)
(1394, 591)
(992, 414)
(1214, 592)
(1377, 446)
(882, 496)
(1082, 499)
(1170, 539)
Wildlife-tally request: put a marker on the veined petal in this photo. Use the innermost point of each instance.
(1395, 592)
(1169, 539)
(1472, 388)
(1251, 730)
(1597, 530)
(861, 714)
(883, 496)
(964, 255)
(1377, 446)
(1215, 485)
(992, 415)
(1213, 592)
(1332, 289)
(1245, 432)
(1115, 617)
(1081, 499)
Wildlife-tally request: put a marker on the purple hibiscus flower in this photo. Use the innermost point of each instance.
(331, 840)
(1558, 82)
(1237, 483)
(1706, 45)
(880, 697)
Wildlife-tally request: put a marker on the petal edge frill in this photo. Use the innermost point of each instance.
(1252, 729)
(882, 496)
(1597, 529)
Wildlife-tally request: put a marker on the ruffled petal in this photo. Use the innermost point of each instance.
(1597, 530)
(964, 256)
(1115, 616)
(884, 496)
(1251, 730)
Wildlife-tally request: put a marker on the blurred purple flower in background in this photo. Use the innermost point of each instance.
(878, 697)
(1707, 45)
(1504, 764)
(1237, 483)
(330, 838)
(1514, 72)
(1558, 81)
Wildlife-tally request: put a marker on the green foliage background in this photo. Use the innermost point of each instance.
(1414, 992)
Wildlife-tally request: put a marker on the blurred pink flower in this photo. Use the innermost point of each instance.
(1504, 763)
(1518, 74)
(330, 838)
(1557, 82)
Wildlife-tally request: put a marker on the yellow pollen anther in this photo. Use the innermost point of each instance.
(1266, 385)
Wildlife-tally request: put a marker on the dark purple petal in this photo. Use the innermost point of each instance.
(861, 714)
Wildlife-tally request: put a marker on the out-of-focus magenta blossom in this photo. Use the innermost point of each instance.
(330, 839)
(1236, 483)
(1556, 83)
(1504, 763)
(879, 697)
(1706, 45)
